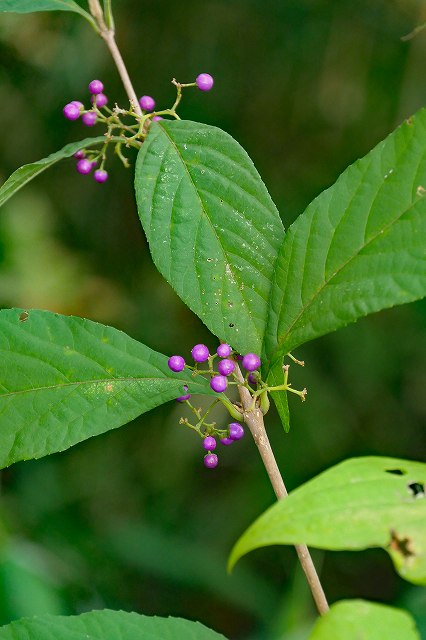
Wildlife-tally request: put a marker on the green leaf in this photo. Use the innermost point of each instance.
(362, 620)
(360, 503)
(28, 6)
(358, 248)
(66, 379)
(106, 625)
(23, 175)
(212, 227)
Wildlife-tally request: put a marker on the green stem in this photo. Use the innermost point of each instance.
(186, 422)
(206, 413)
(119, 153)
(299, 362)
(109, 19)
(232, 409)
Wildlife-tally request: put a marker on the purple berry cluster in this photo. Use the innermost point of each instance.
(223, 376)
(73, 110)
(225, 367)
(118, 130)
(87, 161)
(235, 432)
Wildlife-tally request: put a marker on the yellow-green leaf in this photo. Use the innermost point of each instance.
(357, 504)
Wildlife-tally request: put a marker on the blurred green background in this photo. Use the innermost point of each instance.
(131, 519)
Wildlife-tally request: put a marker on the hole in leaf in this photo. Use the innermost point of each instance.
(24, 316)
(417, 489)
(231, 324)
(396, 472)
(401, 545)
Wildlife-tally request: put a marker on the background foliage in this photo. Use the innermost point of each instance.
(309, 88)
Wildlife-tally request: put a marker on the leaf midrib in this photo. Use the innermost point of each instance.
(89, 382)
(236, 279)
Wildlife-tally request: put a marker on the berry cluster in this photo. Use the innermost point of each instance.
(235, 432)
(220, 379)
(225, 367)
(119, 131)
(227, 373)
(87, 161)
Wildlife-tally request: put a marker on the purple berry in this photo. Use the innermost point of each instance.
(176, 363)
(200, 353)
(100, 100)
(84, 166)
(79, 154)
(209, 443)
(185, 397)
(157, 118)
(96, 86)
(236, 431)
(100, 175)
(71, 111)
(226, 367)
(252, 378)
(210, 460)
(147, 103)
(226, 441)
(204, 81)
(89, 118)
(218, 383)
(251, 362)
(78, 104)
(224, 350)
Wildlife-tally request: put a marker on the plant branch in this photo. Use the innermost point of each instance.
(253, 417)
(108, 35)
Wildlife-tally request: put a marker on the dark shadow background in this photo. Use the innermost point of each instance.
(131, 519)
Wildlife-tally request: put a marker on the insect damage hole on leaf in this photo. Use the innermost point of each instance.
(396, 472)
(401, 545)
(417, 489)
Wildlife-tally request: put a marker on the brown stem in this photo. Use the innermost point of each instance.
(254, 421)
(108, 35)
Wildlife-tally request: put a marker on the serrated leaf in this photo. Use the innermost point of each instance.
(358, 248)
(360, 503)
(27, 172)
(212, 227)
(28, 6)
(106, 625)
(363, 620)
(66, 379)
